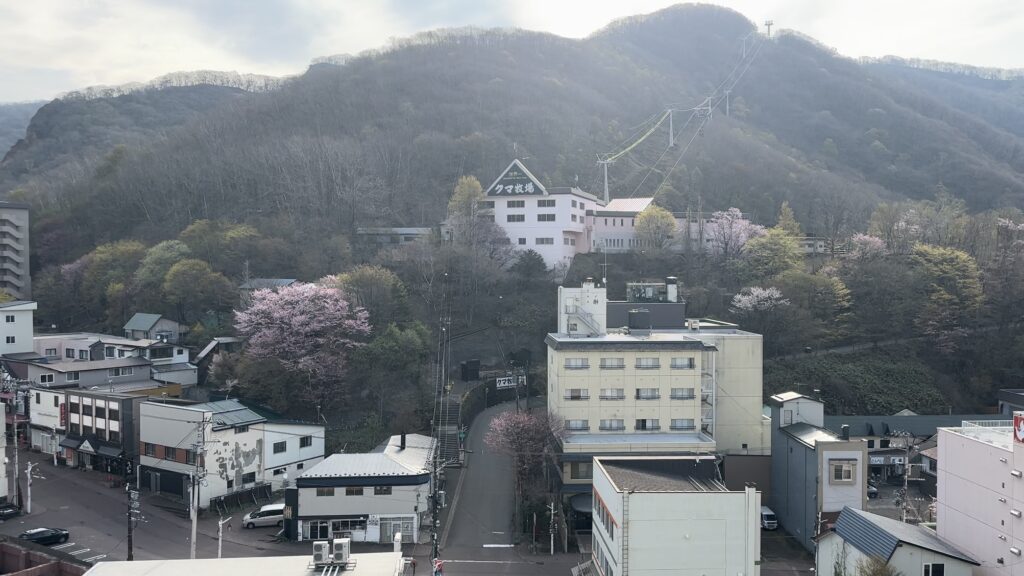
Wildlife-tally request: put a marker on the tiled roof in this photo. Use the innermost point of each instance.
(879, 536)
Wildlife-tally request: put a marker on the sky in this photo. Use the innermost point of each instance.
(52, 46)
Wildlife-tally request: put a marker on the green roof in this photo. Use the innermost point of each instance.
(142, 321)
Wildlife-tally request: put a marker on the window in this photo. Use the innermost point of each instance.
(279, 471)
(617, 424)
(86, 430)
(69, 353)
(353, 491)
(73, 429)
(241, 429)
(647, 424)
(316, 529)
(115, 415)
(648, 363)
(573, 217)
(647, 394)
(280, 446)
(545, 217)
(382, 490)
(934, 570)
(573, 204)
(325, 491)
(46, 378)
(613, 363)
(683, 394)
(170, 453)
(545, 241)
(683, 424)
(231, 483)
(581, 470)
(249, 478)
(120, 353)
(114, 436)
(108, 351)
(56, 402)
(101, 412)
(37, 397)
(126, 371)
(300, 465)
(842, 471)
(577, 364)
(565, 241)
(86, 409)
(71, 376)
(51, 352)
(871, 443)
(83, 354)
(10, 318)
(577, 394)
(602, 513)
(515, 218)
(682, 364)
(613, 393)
(10, 339)
(305, 442)
(161, 353)
(73, 407)
(883, 443)
(190, 457)
(522, 241)
(550, 203)
(516, 204)
(577, 425)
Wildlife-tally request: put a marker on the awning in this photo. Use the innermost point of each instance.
(582, 503)
(72, 443)
(109, 451)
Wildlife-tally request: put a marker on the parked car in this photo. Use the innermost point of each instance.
(8, 511)
(45, 536)
(872, 491)
(768, 520)
(269, 515)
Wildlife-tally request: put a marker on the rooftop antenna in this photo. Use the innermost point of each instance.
(768, 24)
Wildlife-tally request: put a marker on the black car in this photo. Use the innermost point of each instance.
(8, 511)
(45, 535)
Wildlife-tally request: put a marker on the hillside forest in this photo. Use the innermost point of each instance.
(166, 199)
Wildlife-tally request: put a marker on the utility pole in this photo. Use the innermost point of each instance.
(28, 487)
(133, 509)
(551, 528)
(196, 477)
(604, 164)
(55, 445)
(220, 533)
(768, 24)
(192, 493)
(671, 130)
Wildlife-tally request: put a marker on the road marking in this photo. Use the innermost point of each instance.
(499, 545)
(487, 562)
(63, 546)
(496, 532)
(94, 558)
(82, 551)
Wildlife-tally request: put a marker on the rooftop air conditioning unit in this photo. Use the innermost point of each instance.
(342, 548)
(321, 552)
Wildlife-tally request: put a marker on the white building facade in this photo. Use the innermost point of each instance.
(17, 326)
(980, 492)
(671, 515)
(47, 419)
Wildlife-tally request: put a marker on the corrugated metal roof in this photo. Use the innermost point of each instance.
(809, 435)
(630, 205)
(228, 413)
(878, 536)
(414, 460)
(142, 321)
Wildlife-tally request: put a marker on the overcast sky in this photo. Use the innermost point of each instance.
(52, 46)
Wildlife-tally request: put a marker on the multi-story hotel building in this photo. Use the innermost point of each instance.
(14, 263)
(637, 377)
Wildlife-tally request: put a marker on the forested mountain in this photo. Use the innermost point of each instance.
(382, 137)
(14, 119)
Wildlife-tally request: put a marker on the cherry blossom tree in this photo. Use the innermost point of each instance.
(865, 247)
(729, 231)
(309, 329)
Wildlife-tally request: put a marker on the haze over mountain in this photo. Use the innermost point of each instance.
(381, 138)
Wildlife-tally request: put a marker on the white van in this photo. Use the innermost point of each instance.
(269, 515)
(768, 520)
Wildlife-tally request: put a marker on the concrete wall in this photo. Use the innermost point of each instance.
(739, 366)
(611, 544)
(906, 560)
(833, 495)
(739, 469)
(402, 500)
(696, 534)
(794, 487)
(20, 329)
(293, 456)
(531, 229)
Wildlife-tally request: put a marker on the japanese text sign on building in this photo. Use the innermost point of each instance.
(1018, 427)
(514, 182)
(507, 382)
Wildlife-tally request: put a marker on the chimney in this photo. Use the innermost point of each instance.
(845, 432)
(401, 445)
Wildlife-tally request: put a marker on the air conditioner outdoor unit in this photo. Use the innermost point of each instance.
(342, 548)
(321, 552)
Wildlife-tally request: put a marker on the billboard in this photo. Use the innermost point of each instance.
(506, 382)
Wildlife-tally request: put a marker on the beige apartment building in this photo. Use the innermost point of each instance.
(638, 378)
(14, 261)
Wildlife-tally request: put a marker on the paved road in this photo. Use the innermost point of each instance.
(78, 501)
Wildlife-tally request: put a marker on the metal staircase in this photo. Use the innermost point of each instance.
(583, 317)
(448, 431)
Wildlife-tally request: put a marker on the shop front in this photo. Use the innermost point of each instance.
(94, 454)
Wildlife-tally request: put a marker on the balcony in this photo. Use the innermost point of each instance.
(684, 427)
(576, 397)
(683, 396)
(656, 396)
(613, 396)
(648, 429)
(648, 366)
(613, 427)
(577, 366)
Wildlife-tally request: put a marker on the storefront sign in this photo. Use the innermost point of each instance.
(63, 415)
(878, 459)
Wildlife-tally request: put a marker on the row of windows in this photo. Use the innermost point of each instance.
(80, 430)
(542, 203)
(641, 424)
(549, 241)
(280, 471)
(355, 491)
(681, 363)
(87, 410)
(604, 516)
(171, 453)
(620, 394)
(10, 318)
(304, 442)
(49, 378)
(522, 218)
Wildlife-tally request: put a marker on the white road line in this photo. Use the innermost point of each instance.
(499, 545)
(82, 551)
(96, 558)
(63, 546)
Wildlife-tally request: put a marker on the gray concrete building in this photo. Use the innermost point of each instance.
(14, 257)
